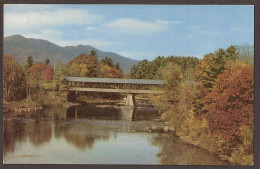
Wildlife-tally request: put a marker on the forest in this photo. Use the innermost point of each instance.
(208, 102)
(25, 82)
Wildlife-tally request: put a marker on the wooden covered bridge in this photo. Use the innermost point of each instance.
(113, 85)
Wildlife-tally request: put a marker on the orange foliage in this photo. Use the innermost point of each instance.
(90, 61)
(48, 73)
(110, 72)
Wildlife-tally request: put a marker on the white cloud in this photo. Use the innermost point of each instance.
(45, 34)
(131, 25)
(54, 36)
(17, 22)
(92, 42)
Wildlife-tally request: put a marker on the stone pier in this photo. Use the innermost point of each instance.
(129, 100)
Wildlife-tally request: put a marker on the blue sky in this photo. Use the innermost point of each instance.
(136, 31)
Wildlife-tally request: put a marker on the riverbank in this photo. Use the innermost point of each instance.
(36, 102)
(203, 144)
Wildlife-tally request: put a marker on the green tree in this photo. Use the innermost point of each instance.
(47, 61)
(133, 71)
(107, 61)
(176, 100)
(117, 66)
(94, 53)
(59, 74)
(29, 62)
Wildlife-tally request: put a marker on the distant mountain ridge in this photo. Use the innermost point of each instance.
(21, 47)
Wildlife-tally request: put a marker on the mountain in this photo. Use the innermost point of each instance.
(21, 47)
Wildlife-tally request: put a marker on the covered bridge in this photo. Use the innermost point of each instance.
(114, 85)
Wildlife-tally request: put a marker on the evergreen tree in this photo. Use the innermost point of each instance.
(47, 61)
(133, 71)
(117, 66)
(93, 53)
(29, 62)
(107, 61)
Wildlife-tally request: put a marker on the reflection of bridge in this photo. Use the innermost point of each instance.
(112, 85)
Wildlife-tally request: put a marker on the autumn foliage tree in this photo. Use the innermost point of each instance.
(109, 72)
(230, 104)
(48, 73)
(35, 76)
(209, 68)
(13, 78)
(83, 66)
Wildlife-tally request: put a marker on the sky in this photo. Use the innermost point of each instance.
(135, 31)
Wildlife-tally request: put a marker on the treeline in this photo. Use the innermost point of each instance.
(33, 80)
(214, 112)
(150, 70)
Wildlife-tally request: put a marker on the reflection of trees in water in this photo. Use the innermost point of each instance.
(37, 133)
(11, 135)
(58, 129)
(83, 134)
(174, 151)
(58, 112)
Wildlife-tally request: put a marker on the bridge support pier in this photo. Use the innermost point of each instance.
(129, 100)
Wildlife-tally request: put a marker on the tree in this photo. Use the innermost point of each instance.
(84, 66)
(176, 99)
(47, 61)
(48, 73)
(208, 71)
(29, 62)
(230, 104)
(133, 71)
(107, 61)
(109, 72)
(13, 79)
(149, 69)
(59, 74)
(94, 53)
(246, 53)
(117, 66)
(35, 77)
(213, 64)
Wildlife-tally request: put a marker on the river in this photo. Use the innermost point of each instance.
(97, 134)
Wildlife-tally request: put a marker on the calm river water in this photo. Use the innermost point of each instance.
(96, 134)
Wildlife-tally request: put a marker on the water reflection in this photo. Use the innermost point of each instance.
(127, 114)
(110, 113)
(82, 134)
(174, 151)
(90, 134)
(36, 132)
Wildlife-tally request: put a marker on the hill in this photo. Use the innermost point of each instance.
(21, 47)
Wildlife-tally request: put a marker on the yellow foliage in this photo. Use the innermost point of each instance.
(243, 153)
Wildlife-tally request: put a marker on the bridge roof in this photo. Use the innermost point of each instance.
(115, 80)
